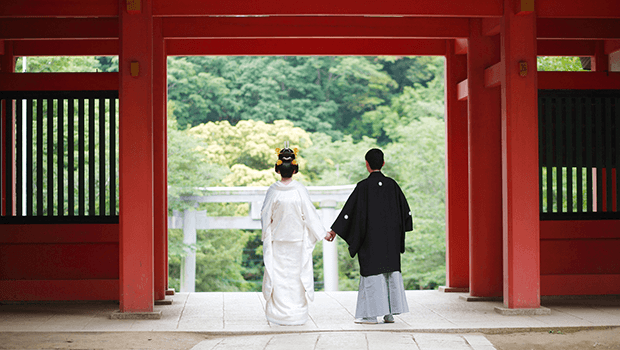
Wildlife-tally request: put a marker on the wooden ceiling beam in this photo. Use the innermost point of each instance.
(577, 9)
(565, 47)
(424, 8)
(306, 46)
(315, 27)
(58, 81)
(578, 29)
(418, 8)
(85, 47)
(58, 8)
(578, 80)
(59, 28)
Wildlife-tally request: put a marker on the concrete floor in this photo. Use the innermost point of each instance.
(436, 320)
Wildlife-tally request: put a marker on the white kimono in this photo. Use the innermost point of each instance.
(291, 228)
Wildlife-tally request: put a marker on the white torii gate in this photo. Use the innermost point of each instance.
(191, 220)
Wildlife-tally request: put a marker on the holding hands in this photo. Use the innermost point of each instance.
(330, 236)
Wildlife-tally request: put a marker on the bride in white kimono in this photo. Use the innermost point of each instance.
(291, 227)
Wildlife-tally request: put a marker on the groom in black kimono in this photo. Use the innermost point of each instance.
(373, 222)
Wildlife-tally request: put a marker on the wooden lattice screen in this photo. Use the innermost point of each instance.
(579, 136)
(61, 157)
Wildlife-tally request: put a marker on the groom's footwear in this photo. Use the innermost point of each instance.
(388, 318)
(366, 320)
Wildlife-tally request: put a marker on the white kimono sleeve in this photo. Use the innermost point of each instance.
(314, 232)
(266, 221)
(312, 220)
(266, 214)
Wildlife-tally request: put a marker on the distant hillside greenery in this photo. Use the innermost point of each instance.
(226, 116)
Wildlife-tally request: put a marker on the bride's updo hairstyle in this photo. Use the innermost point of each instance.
(287, 164)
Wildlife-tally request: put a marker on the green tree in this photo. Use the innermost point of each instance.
(188, 168)
(218, 259)
(319, 94)
(417, 160)
(551, 63)
(199, 96)
(339, 162)
(248, 148)
(415, 102)
(58, 64)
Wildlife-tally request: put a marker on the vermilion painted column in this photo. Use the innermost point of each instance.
(159, 160)
(136, 157)
(7, 59)
(485, 168)
(457, 198)
(7, 65)
(600, 61)
(521, 243)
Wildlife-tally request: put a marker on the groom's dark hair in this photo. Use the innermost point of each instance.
(374, 157)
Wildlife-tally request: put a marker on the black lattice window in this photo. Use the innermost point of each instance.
(578, 139)
(60, 156)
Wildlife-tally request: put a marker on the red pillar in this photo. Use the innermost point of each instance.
(159, 161)
(136, 157)
(457, 200)
(485, 171)
(600, 61)
(521, 230)
(7, 65)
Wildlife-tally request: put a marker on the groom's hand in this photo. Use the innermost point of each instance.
(330, 236)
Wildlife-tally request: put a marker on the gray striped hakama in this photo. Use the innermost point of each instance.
(381, 295)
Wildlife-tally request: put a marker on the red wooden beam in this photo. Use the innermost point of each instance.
(457, 181)
(435, 8)
(59, 28)
(577, 8)
(58, 8)
(58, 81)
(77, 261)
(492, 75)
(490, 26)
(160, 166)
(579, 284)
(519, 161)
(591, 256)
(301, 27)
(462, 90)
(612, 46)
(600, 62)
(591, 29)
(438, 8)
(136, 240)
(59, 234)
(579, 229)
(484, 168)
(87, 47)
(460, 46)
(71, 290)
(565, 47)
(578, 80)
(306, 46)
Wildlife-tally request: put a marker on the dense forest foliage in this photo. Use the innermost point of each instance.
(226, 115)
(237, 110)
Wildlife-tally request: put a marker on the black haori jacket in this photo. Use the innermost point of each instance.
(373, 222)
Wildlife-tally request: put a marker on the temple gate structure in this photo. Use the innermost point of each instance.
(513, 135)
